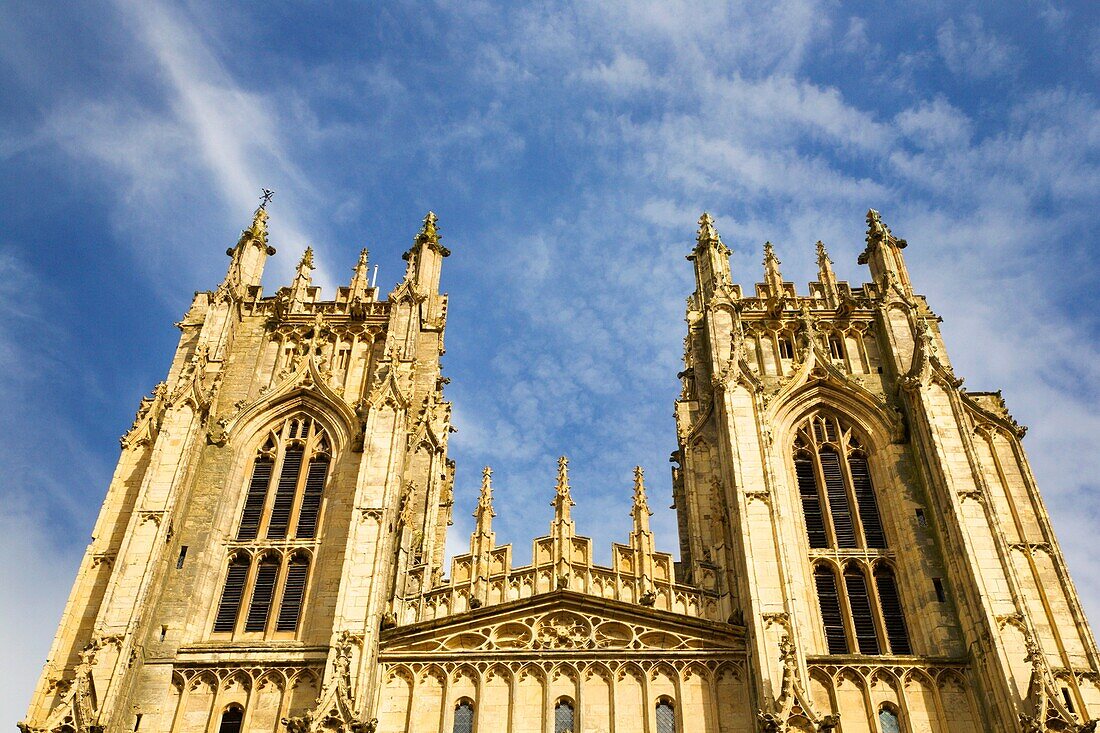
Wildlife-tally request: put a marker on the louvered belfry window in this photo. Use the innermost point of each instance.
(834, 483)
(294, 591)
(230, 607)
(894, 619)
(861, 610)
(831, 615)
(279, 524)
(263, 590)
(860, 605)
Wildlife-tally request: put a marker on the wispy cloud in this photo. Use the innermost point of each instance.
(969, 49)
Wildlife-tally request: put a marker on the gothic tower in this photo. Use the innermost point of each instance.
(874, 524)
(275, 493)
(862, 545)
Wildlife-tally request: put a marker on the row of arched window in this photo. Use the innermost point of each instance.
(292, 509)
(861, 615)
(834, 484)
(565, 717)
(283, 502)
(861, 612)
(263, 596)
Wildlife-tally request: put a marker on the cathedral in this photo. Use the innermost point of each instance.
(862, 545)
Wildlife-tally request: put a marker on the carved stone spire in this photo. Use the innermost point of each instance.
(640, 507)
(825, 274)
(425, 257)
(773, 278)
(563, 501)
(303, 280)
(711, 258)
(883, 255)
(246, 266)
(562, 529)
(483, 538)
(359, 277)
(641, 540)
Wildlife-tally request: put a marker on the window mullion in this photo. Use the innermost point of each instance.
(823, 496)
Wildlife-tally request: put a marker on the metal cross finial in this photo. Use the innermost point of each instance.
(265, 197)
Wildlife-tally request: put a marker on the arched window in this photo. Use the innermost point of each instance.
(265, 585)
(892, 616)
(888, 721)
(294, 590)
(295, 501)
(230, 607)
(279, 522)
(263, 590)
(231, 719)
(831, 616)
(666, 716)
(563, 716)
(464, 717)
(859, 603)
(834, 484)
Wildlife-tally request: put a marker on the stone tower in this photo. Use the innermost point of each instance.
(863, 548)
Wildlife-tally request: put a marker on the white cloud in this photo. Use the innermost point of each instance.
(970, 50)
(935, 124)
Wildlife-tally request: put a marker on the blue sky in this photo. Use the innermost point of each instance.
(568, 149)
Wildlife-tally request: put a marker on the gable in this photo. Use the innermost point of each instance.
(561, 622)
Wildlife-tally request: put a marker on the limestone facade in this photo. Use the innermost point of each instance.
(863, 547)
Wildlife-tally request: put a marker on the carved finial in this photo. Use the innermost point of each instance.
(877, 234)
(826, 276)
(773, 278)
(563, 500)
(483, 541)
(307, 259)
(639, 490)
(359, 277)
(485, 500)
(428, 231)
(639, 511)
(563, 477)
(707, 233)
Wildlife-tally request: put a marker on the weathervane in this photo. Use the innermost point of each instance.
(265, 197)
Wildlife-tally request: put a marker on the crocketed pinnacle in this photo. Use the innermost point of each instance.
(307, 260)
(359, 280)
(258, 230)
(640, 508)
(485, 499)
(825, 274)
(773, 278)
(563, 500)
(428, 230)
(878, 234)
(483, 513)
(707, 233)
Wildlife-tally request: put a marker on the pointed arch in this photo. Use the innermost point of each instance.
(875, 421)
(306, 390)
